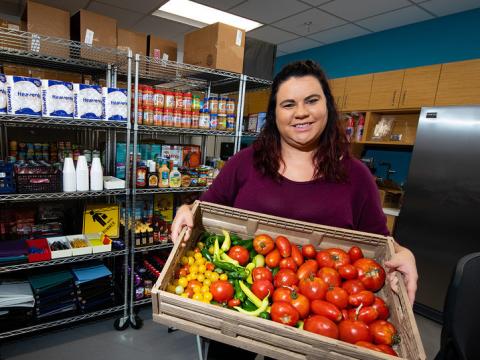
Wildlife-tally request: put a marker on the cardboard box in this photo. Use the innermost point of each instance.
(157, 47)
(192, 156)
(49, 21)
(259, 59)
(267, 337)
(217, 46)
(135, 41)
(12, 41)
(93, 29)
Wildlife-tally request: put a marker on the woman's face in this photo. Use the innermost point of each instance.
(301, 112)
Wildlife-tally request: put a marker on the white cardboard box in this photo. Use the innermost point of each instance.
(60, 253)
(79, 251)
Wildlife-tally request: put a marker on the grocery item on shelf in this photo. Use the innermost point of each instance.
(3, 94)
(111, 183)
(175, 177)
(35, 177)
(88, 102)
(96, 175)
(164, 175)
(57, 98)
(69, 176)
(82, 174)
(24, 96)
(115, 103)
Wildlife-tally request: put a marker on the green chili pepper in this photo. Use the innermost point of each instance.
(239, 274)
(224, 257)
(265, 315)
(239, 294)
(225, 266)
(227, 243)
(253, 253)
(263, 306)
(248, 305)
(206, 254)
(275, 271)
(251, 296)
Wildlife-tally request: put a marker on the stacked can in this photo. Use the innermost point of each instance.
(140, 104)
(169, 107)
(158, 105)
(147, 101)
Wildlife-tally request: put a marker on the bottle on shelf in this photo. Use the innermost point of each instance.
(360, 127)
(82, 174)
(164, 175)
(152, 176)
(175, 178)
(96, 174)
(69, 176)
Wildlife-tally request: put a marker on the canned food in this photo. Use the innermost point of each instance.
(230, 122)
(230, 106)
(213, 105)
(187, 102)
(158, 98)
(195, 119)
(157, 117)
(213, 121)
(222, 105)
(196, 102)
(147, 98)
(168, 118)
(169, 100)
(221, 122)
(204, 119)
(186, 119)
(148, 115)
(179, 101)
(177, 118)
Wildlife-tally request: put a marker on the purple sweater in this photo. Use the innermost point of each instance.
(352, 205)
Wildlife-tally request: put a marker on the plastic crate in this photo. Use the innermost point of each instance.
(7, 180)
(39, 183)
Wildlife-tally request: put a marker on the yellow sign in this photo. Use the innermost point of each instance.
(163, 205)
(102, 218)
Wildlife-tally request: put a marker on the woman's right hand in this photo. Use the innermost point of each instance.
(184, 217)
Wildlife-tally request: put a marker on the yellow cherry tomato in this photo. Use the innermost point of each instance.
(183, 281)
(171, 288)
(184, 260)
(197, 256)
(193, 269)
(211, 250)
(197, 296)
(200, 245)
(208, 274)
(193, 276)
(191, 260)
(205, 289)
(201, 277)
(189, 277)
(201, 261)
(207, 282)
(190, 253)
(185, 295)
(207, 297)
(202, 269)
(223, 277)
(214, 276)
(196, 289)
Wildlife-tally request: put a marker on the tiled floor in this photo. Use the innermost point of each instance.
(99, 341)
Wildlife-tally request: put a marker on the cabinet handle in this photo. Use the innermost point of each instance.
(393, 99)
(403, 97)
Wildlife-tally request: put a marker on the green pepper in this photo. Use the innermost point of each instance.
(226, 258)
(247, 244)
(250, 295)
(239, 274)
(253, 253)
(206, 254)
(239, 294)
(275, 271)
(263, 306)
(249, 268)
(265, 315)
(218, 270)
(227, 243)
(248, 305)
(299, 325)
(225, 266)
(259, 260)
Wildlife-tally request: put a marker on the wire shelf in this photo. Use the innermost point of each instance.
(142, 302)
(170, 190)
(61, 195)
(46, 122)
(40, 50)
(67, 260)
(186, 131)
(249, 134)
(153, 247)
(65, 321)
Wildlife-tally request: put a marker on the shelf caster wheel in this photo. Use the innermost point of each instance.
(136, 322)
(121, 324)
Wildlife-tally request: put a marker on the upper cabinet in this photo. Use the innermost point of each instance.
(459, 83)
(337, 86)
(357, 92)
(386, 90)
(419, 86)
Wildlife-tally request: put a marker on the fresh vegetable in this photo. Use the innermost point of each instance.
(239, 294)
(285, 277)
(227, 242)
(259, 260)
(313, 288)
(382, 308)
(353, 286)
(262, 273)
(338, 297)
(353, 331)
(222, 291)
(297, 255)
(263, 244)
(240, 254)
(309, 252)
(288, 263)
(339, 257)
(273, 259)
(370, 273)
(364, 297)
(348, 272)
(321, 325)
(262, 288)
(250, 295)
(355, 253)
(263, 307)
(284, 247)
(330, 276)
(383, 332)
(307, 269)
(300, 303)
(284, 313)
(249, 268)
(324, 308)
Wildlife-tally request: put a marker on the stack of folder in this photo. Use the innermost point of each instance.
(94, 286)
(54, 294)
(13, 252)
(16, 304)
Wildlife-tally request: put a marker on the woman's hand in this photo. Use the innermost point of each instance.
(404, 262)
(184, 217)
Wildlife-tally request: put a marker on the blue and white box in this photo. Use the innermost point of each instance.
(88, 102)
(261, 119)
(57, 98)
(3, 94)
(115, 104)
(24, 95)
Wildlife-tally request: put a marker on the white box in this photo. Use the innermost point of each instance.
(60, 253)
(79, 251)
(24, 95)
(93, 239)
(115, 104)
(3, 94)
(112, 183)
(57, 98)
(173, 152)
(88, 102)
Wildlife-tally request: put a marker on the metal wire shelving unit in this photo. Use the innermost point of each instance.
(30, 49)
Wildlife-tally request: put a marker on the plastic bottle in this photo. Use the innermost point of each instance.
(152, 176)
(82, 174)
(96, 175)
(360, 127)
(164, 175)
(175, 177)
(69, 176)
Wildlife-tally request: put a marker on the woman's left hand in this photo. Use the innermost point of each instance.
(404, 262)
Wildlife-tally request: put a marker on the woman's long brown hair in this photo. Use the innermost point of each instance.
(332, 144)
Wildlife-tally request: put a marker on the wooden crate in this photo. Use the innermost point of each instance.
(267, 337)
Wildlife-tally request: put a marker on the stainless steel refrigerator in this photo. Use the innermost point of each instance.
(440, 217)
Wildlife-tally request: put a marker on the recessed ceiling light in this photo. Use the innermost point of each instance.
(198, 15)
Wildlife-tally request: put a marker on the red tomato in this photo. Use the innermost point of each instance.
(368, 345)
(283, 245)
(354, 331)
(307, 269)
(313, 288)
(348, 272)
(364, 297)
(192, 283)
(321, 325)
(281, 294)
(370, 273)
(262, 273)
(324, 259)
(284, 313)
(353, 286)
(288, 263)
(221, 290)
(309, 252)
(338, 297)
(339, 257)
(285, 277)
(262, 288)
(233, 302)
(240, 254)
(273, 259)
(383, 332)
(324, 308)
(330, 276)
(263, 244)
(297, 255)
(387, 349)
(345, 314)
(382, 308)
(366, 314)
(300, 303)
(355, 253)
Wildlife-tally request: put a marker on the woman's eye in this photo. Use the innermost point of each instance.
(288, 105)
(312, 101)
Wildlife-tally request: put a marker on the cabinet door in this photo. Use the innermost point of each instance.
(459, 83)
(357, 92)
(419, 86)
(386, 87)
(337, 86)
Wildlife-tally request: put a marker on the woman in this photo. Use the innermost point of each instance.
(300, 168)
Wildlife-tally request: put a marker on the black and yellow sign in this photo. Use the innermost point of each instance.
(102, 218)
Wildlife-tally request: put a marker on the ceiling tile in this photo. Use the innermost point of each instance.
(447, 7)
(298, 45)
(317, 2)
(268, 11)
(355, 10)
(167, 29)
(220, 4)
(340, 33)
(271, 34)
(125, 18)
(71, 5)
(280, 53)
(143, 6)
(318, 21)
(395, 19)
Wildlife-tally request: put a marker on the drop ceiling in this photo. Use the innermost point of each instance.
(294, 25)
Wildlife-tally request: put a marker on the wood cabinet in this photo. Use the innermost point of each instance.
(386, 90)
(419, 86)
(357, 92)
(459, 83)
(337, 86)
